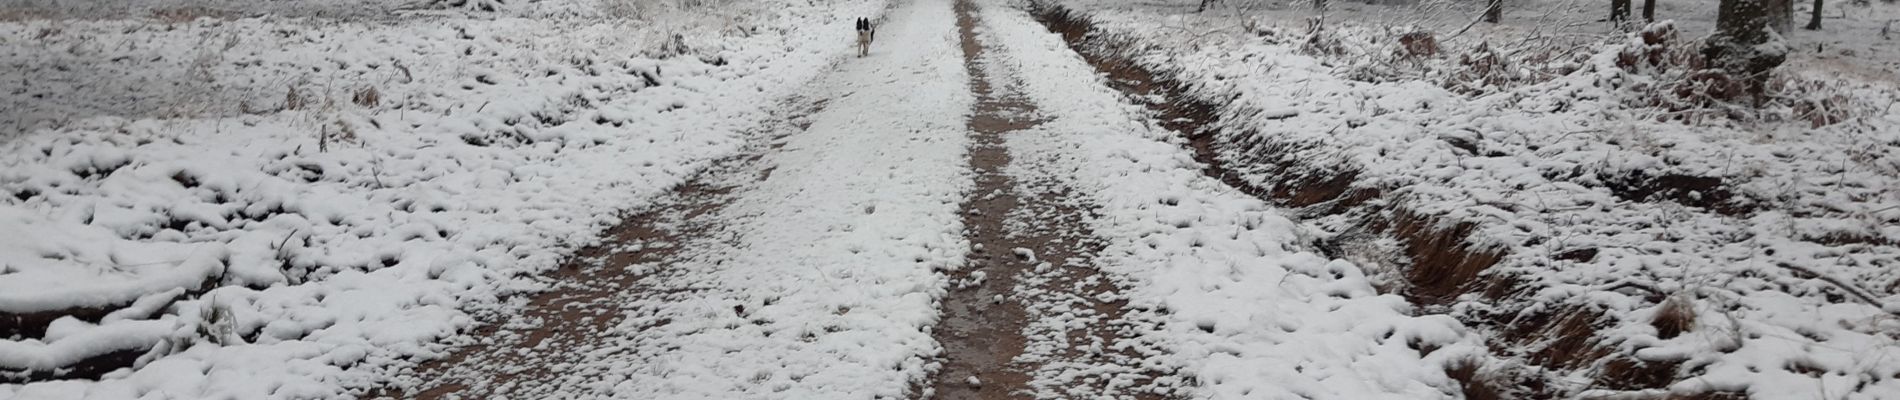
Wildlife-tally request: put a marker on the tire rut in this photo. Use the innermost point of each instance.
(1008, 326)
(529, 354)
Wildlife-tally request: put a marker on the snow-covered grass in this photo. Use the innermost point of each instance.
(1777, 231)
(290, 207)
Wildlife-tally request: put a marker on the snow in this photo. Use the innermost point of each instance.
(797, 292)
(166, 163)
(47, 264)
(1233, 298)
(1531, 163)
(1026, 254)
(299, 199)
(82, 340)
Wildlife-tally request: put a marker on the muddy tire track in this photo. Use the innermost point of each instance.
(1009, 325)
(981, 328)
(532, 354)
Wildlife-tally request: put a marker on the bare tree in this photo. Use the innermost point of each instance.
(1649, 10)
(1780, 15)
(1494, 12)
(1619, 12)
(1741, 44)
(1814, 17)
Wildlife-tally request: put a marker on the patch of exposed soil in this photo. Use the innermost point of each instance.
(1102, 356)
(1703, 192)
(981, 328)
(1033, 261)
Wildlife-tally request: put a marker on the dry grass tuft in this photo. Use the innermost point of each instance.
(337, 131)
(1564, 338)
(1626, 373)
(294, 99)
(367, 97)
(1445, 264)
(1673, 317)
(1482, 70)
(1319, 42)
(1418, 44)
(1474, 383)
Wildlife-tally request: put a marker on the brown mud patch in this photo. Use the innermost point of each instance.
(981, 327)
(1032, 260)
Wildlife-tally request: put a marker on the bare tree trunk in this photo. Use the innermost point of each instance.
(1814, 20)
(1649, 10)
(1494, 12)
(1780, 15)
(1619, 12)
(1742, 27)
(1319, 4)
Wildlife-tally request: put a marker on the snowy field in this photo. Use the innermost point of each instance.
(208, 199)
(297, 200)
(1608, 203)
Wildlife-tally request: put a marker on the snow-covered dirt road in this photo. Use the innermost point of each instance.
(812, 274)
(711, 199)
(970, 212)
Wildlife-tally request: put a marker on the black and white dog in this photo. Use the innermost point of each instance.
(865, 34)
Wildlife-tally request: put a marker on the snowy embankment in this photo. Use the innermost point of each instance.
(1235, 302)
(296, 207)
(1619, 240)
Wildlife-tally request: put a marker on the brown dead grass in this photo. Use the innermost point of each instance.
(1445, 264)
(1628, 373)
(1418, 44)
(1673, 317)
(1475, 384)
(367, 97)
(294, 99)
(1564, 338)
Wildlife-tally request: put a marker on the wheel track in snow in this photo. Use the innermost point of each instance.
(525, 354)
(1007, 326)
(803, 270)
(1052, 334)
